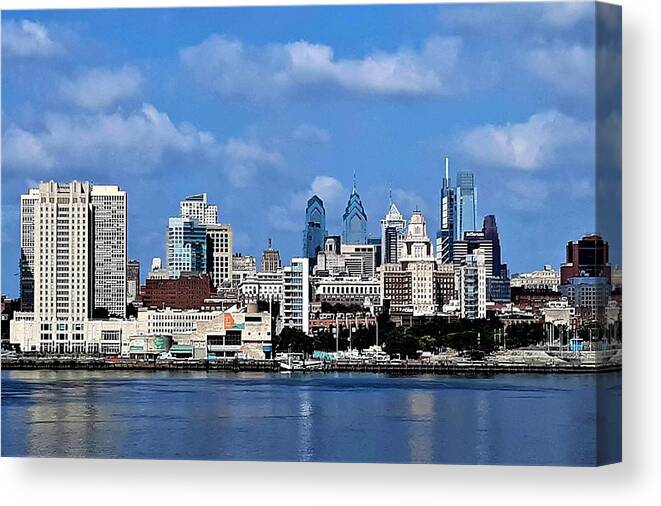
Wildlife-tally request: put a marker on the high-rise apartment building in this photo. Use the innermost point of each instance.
(315, 228)
(295, 306)
(186, 249)
(219, 254)
(270, 259)
(197, 208)
(447, 215)
(471, 285)
(63, 260)
(109, 229)
(354, 219)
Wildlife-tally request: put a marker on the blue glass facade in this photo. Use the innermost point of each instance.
(354, 220)
(315, 228)
(186, 246)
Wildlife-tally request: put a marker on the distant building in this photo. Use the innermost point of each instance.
(546, 279)
(315, 228)
(132, 280)
(354, 219)
(271, 259)
(188, 291)
(186, 246)
(26, 263)
(587, 294)
(157, 271)
(219, 254)
(347, 290)
(360, 259)
(418, 258)
(466, 217)
(586, 257)
(243, 266)
(262, 286)
(444, 283)
(447, 220)
(295, 306)
(196, 207)
(396, 287)
(393, 229)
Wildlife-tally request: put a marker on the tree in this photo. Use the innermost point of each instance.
(292, 340)
(521, 335)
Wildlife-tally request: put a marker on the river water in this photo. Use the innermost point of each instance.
(343, 417)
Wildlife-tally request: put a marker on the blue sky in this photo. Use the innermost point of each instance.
(261, 107)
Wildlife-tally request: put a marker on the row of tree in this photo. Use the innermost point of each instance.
(433, 335)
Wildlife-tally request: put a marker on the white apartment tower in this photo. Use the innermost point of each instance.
(393, 230)
(109, 206)
(63, 258)
(471, 285)
(197, 208)
(418, 258)
(295, 305)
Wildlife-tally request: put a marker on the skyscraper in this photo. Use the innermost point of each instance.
(471, 285)
(490, 231)
(418, 258)
(315, 228)
(63, 258)
(354, 220)
(197, 208)
(587, 257)
(393, 229)
(186, 249)
(447, 213)
(219, 254)
(466, 203)
(26, 262)
(109, 220)
(270, 259)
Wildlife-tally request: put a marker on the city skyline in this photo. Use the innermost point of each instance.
(260, 155)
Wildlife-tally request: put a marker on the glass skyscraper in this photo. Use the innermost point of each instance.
(466, 218)
(354, 220)
(186, 246)
(315, 228)
(447, 211)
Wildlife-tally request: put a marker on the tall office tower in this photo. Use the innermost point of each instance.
(295, 307)
(587, 257)
(393, 229)
(186, 249)
(219, 254)
(490, 231)
(471, 285)
(63, 260)
(466, 217)
(315, 228)
(26, 262)
(270, 259)
(418, 258)
(109, 206)
(196, 207)
(132, 280)
(354, 220)
(447, 216)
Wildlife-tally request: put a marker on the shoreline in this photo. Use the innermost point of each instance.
(404, 368)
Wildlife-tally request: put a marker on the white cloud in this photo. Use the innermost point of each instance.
(329, 189)
(244, 158)
(569, 68)
(28, 39)
(230, 68)
(99, 88)
(540, 141)
(528, 194)
(280, 218)
(136, 142)
(311, 134)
